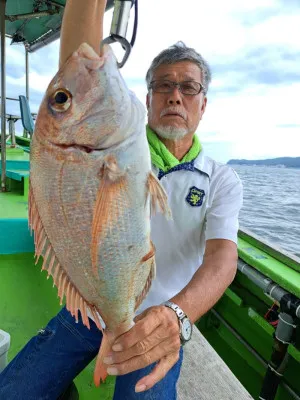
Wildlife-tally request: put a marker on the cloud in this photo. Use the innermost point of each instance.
(272, 65)
(45, 60)
(266, 11)
(14, 72)
(289, 126)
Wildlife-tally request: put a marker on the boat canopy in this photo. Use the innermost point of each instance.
(35, 23)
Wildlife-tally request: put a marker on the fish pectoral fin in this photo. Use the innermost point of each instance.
(111, 202)
(147, 261)
(43, 247)
(150, 254)
(158, 196)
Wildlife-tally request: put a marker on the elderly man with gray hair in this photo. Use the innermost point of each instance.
(196, 252)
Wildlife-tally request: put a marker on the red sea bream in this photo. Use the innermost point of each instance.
(91, 188)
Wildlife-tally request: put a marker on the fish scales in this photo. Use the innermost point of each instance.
(91, 187)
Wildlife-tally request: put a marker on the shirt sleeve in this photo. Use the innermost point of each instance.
(226, 199)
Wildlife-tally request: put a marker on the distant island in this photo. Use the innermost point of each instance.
(288, 162)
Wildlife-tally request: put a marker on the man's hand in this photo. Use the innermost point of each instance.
(82, 22)
(154, 337)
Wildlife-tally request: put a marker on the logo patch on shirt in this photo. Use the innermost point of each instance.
(195, 197)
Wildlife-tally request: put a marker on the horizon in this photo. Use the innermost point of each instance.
(252, 110)
(264, 159)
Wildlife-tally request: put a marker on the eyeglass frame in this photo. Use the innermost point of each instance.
(178, 85)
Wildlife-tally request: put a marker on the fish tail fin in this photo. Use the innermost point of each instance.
(100, 372)
(109, 337)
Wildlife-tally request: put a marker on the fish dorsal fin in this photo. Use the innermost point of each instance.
(158, 196)
(111, 202)
(148, 259)
(74, 300)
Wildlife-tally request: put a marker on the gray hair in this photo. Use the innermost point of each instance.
(176, 53)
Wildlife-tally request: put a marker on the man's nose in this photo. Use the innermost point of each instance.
(175, 97)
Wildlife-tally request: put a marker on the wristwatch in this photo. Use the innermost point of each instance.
(186, 327)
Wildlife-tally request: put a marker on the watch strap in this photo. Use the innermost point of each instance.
(181, 317)
(179, 312)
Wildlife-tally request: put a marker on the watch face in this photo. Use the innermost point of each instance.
(186, 329)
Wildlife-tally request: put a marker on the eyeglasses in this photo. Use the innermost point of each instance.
(189, 88)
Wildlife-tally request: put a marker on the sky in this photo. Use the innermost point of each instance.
(252, 47)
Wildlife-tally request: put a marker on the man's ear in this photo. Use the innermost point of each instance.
(204, 105)
(148, 101)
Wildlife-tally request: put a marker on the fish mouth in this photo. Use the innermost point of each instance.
(80, 147)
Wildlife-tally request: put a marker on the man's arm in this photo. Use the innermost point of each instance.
(211, 280)
(82, 22)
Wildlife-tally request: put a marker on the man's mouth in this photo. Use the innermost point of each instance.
(173, 113)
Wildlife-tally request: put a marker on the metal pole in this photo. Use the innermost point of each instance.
(13, 18)
(287, 300)
(11, 130)
(279, 359)
(11, 98)
(3, 96)
(26, 73)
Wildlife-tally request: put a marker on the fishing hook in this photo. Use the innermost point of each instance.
(119, 26)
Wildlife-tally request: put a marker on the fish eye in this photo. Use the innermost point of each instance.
(61, 100)
(61, 97)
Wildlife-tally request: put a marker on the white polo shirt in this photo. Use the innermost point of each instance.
(205, 198)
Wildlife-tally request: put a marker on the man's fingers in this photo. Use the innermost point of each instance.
(158, 373)
(137, 333)
(157, 353)
(159, 335)
(143, 328)
(140, 316)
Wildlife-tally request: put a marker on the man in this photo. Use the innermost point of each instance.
(196, 252)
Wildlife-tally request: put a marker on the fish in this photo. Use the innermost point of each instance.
(92, 194)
